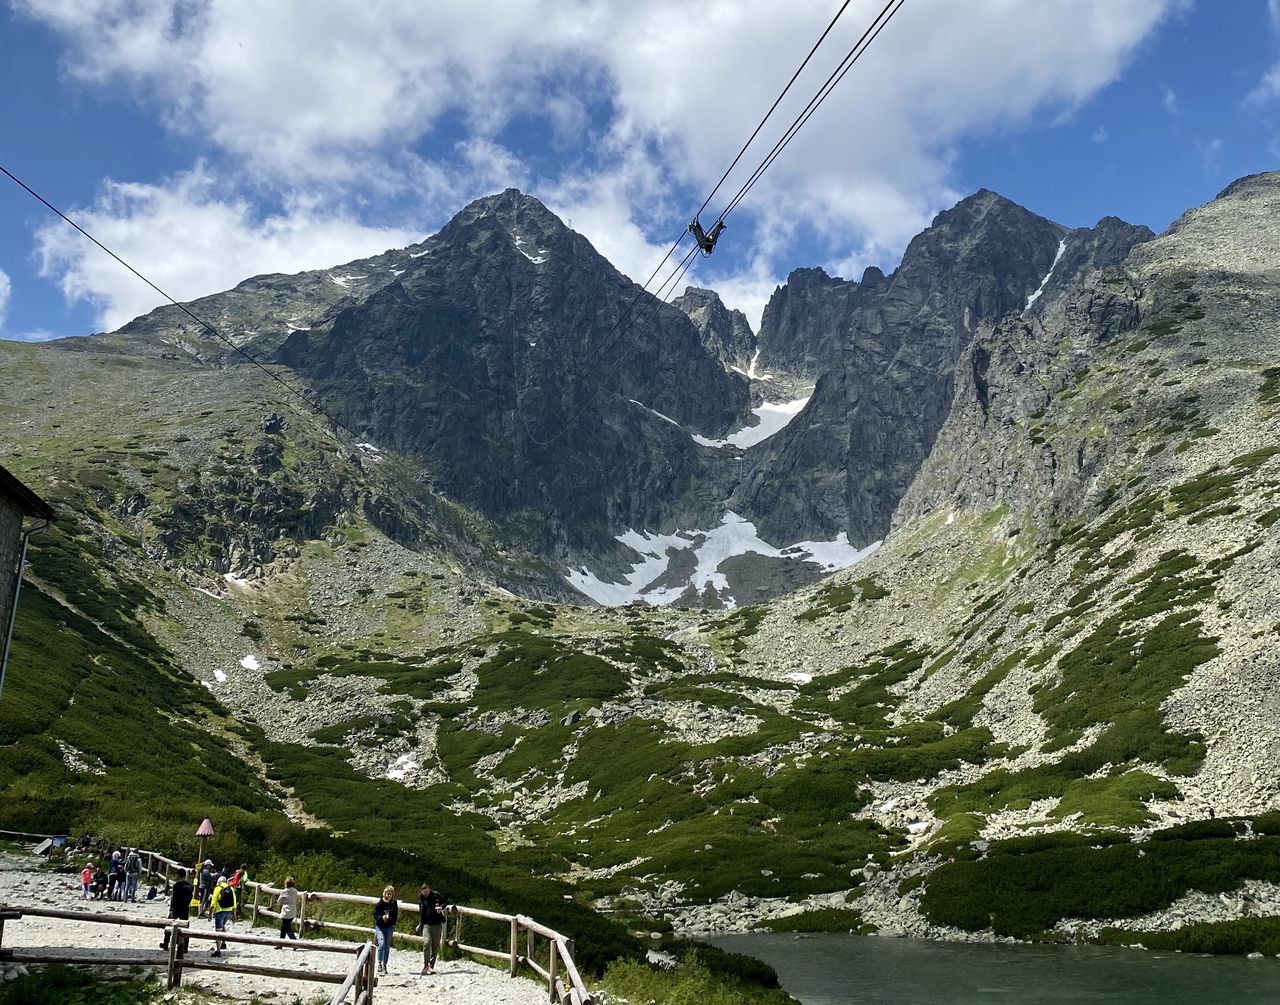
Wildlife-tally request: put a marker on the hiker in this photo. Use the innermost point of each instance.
(386, 912)
(101, 883)
(132, 873)
(206, 885)
(288, 898)
(180, 905)
(238, 881)
(223, 904)
(115, 877)
(86, 881)
(431, 908)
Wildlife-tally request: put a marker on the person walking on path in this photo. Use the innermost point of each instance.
(206, 885)
(432, 918)
(132, 873)
(386, 912)
(238, 882)
(288, 898)
(224, 909)
(86, 881)
(179, 905)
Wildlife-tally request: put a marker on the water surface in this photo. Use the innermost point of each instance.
(846, 969)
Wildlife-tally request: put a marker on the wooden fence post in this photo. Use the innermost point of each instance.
(529, 943)
(457, 930)
(551, 970)
(171, 979)
(302, 915)
(515, 946)
(254, 920)
(370, 979)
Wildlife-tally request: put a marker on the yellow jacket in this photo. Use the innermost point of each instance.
(218, 905)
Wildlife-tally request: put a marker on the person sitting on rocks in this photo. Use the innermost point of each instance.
(101, 883)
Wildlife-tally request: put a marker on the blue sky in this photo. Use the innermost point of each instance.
(210, 141)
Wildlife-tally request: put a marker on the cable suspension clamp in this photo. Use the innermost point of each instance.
(706, 241)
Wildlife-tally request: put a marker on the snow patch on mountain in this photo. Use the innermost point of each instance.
(538, 259)
(772, 417)
(735, 536)
(655, 412)
(1062, 246)
(344, 280)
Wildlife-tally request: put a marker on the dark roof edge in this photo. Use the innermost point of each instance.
(32, 504)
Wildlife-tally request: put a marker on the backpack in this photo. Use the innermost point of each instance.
(226, 898)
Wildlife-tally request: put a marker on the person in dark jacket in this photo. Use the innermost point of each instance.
(431, 912)
(179, 905)
(386, 912)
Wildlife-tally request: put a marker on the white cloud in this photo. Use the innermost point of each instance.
(6, 288)
(640, 102)
(37, 335)
(1099, 135)
(1268, 88)
(193, 239)
(1169, 98)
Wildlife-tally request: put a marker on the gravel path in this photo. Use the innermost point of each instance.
(460, 982)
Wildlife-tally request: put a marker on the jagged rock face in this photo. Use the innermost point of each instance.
(1086, 251)
(990, 451)
(492, 357)
(898, 340)
(804, 323)
(726, 334)
(1037, 418)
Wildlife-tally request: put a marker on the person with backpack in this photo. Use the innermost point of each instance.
(238, 883)
(180, 905)
(132, 873)
(224, 909)
(86, 881)
(431, 912)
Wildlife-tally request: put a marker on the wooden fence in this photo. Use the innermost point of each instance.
(564, 983)
(355, 985)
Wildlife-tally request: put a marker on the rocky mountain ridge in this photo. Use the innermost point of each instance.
(1029, 698)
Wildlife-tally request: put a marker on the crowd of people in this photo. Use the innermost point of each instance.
(204, 891)
(116, 879)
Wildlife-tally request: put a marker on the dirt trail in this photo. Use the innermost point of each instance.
(460, 982)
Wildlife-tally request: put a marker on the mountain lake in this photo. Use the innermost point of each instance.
(849, 969)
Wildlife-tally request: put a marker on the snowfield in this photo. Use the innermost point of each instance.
(711, 549)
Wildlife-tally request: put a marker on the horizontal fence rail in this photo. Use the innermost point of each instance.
(357, 982)
(567, 988)
(564, 982)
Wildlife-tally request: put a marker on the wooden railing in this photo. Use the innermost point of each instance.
(564, 983)
(357, 982)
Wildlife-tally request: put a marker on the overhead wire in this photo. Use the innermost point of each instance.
(611, 340)
(606, 344)
(864, 42)
(309, 401)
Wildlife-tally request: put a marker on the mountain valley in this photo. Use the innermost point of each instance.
(984, 623)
